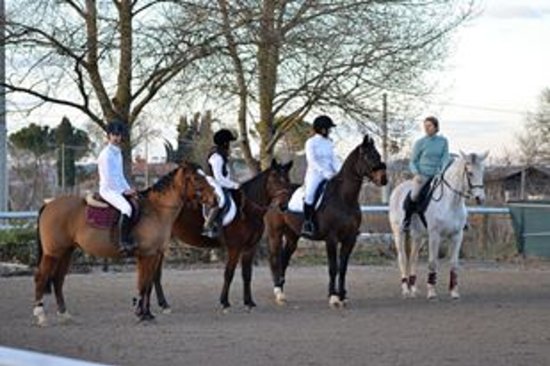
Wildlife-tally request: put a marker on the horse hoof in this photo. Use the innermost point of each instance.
(405, 293)
(431, 296)
(334, 302)
(250, 304)
(40, 315)
(65, 317)
(455, 295)
(167, 310)
(147, 317)
(413, 293)
(248, 308)
(280, 297)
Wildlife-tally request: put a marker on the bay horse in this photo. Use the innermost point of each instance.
(241, 236)
(445, 217)
(62, 227)
(338, 220)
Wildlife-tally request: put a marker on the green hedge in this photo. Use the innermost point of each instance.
(18, 245)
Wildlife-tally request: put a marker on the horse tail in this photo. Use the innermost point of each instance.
(407, 243)
(40, 251)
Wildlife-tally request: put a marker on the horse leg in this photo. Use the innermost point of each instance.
(332, 249)
(58, 280)
(246, 268)
(402, 259)
(433, 242)
(274, 240)
(291, 243)
(456, 244)
(146, 267)
(159, 290)
(232, 259)
(347, 247)
(41, 281)
(416, 244)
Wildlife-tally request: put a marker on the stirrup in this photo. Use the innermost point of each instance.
(211, 232)
(308, 229)
(126, 249)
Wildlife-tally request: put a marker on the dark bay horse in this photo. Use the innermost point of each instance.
(338, 220)
(241, 236)
(62, 227)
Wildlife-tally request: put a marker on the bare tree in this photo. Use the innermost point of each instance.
(105, 59)
(534, 142)
(288, 57)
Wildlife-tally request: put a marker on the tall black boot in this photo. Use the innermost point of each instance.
(409, 206)
(212, 224)
(308, 228)
(126, 245)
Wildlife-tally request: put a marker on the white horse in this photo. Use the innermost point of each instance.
(446, 218)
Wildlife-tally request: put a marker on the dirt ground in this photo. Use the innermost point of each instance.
(503, 318)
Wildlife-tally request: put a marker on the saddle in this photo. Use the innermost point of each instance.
(101, 215)
(424, 198)
(296, 203)
(229, 209)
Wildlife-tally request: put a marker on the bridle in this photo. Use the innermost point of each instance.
(464, 194)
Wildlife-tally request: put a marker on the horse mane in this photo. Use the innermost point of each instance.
(254, 188)
(334, 183)
(166, 181)
(162, 184)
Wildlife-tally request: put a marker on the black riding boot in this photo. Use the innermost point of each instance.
(308, 228)
(212, 224)
(409, 206)
(126, 245)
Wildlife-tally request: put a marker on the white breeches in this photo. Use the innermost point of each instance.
(218, 189)
(311, 182)
(418, 183)
(118, 201)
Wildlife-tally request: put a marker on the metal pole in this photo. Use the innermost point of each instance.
(386, 188)
(3, 130)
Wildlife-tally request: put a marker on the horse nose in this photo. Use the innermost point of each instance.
(479, 200)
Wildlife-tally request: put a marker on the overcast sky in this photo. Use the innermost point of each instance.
(499, 66)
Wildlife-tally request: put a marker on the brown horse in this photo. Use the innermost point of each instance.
(338, 219)
(241, 236)
(62, 227)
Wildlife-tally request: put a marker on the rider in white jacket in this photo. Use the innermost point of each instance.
(322, 164)
(113, 185)
(217, 168)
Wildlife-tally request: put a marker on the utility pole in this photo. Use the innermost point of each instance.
(386, 188)
(3, 129)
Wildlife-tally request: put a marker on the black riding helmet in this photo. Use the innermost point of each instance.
(223, 137)
(116, 127)
(322, 122)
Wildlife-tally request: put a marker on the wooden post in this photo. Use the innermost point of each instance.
(487, 252)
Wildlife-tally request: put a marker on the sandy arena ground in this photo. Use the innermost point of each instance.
(503, 318)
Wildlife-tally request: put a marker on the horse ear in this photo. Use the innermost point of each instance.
(367, 140)
(274, 163)
(484, 155)
(463, 155)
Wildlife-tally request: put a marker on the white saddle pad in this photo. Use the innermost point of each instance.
(231, 213)
(296, 203)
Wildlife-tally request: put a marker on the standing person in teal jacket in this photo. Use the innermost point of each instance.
(429, 157)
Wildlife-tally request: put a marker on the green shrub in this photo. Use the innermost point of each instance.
(18, 245)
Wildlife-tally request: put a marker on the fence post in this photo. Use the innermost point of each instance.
(487, 253)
